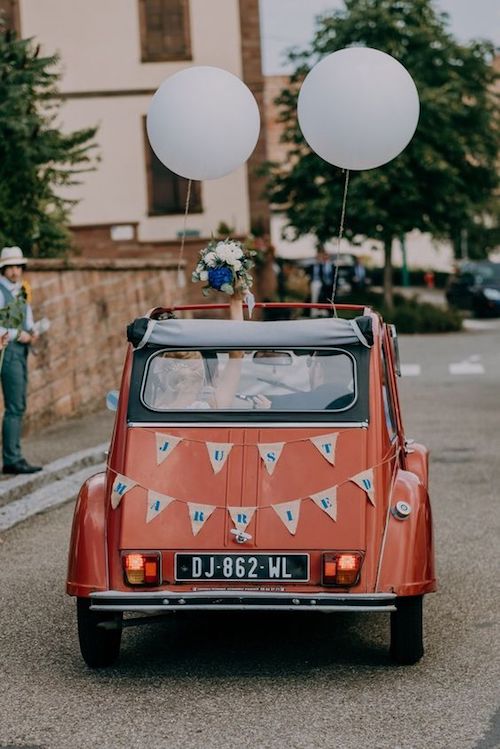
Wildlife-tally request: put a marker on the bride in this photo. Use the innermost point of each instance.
(184, 380)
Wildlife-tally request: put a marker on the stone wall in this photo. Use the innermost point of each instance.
(89, 303)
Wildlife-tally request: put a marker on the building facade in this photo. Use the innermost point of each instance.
(114, 55)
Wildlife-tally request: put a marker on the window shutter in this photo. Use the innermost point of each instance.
(9, 12)
(165, 32)
(167, 192)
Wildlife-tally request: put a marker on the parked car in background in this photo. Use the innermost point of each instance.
(476, 287)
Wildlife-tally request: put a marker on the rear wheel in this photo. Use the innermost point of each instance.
(407, 645)
(99, 645)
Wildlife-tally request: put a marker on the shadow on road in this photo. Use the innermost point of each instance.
(253, 645)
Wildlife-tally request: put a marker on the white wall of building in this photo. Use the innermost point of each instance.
(422, 252)
(99, 45)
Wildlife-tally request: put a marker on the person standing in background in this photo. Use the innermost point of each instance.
(321, 274)
(359, 276)
(14, 373)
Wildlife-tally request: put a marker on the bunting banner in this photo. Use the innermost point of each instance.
(199, 514)
(326, 444)
(121, 485)
(241, 516)
(270, 454)
(218, 453)
(288, 513)
(327, 501)
(157, 503)
(365, 481)
(165, 443)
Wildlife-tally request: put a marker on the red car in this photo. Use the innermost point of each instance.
(255, 466)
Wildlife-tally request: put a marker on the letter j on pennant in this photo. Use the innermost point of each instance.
(165, 443)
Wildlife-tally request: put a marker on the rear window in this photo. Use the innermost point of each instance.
(266, 380)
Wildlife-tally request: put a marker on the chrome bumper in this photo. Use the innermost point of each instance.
(239, 600)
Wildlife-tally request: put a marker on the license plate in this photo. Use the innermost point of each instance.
(267, 567)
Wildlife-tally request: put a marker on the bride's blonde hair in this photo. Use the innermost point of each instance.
(181, 374)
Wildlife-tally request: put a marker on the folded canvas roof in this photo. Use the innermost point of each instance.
(180, 334)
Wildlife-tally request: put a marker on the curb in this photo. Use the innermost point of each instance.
(56, 493)
(22, 485)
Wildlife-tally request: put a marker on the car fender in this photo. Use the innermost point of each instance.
(406, 564)
(87, 561)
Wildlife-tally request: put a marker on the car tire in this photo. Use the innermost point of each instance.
(407, 645)
(99, 647)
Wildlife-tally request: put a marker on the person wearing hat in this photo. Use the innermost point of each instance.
(14, 373)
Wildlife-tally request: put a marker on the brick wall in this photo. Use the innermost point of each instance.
(252, 76)
(89, 304)
(273, 86)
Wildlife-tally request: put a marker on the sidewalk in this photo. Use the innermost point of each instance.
(69, 452)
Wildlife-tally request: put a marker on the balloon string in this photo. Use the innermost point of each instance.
(184, 226)
(339, 238)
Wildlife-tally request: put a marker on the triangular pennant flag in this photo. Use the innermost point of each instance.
(121, 485)
(365, 481)
(327, 501)
(326, 445)
(270, 454)
(165, 443)
(241, 516)
(199, 514)
(218, 453)
(288, 513)
(156, 504)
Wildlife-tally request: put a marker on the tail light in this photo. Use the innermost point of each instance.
(342, 568)
(142, 569)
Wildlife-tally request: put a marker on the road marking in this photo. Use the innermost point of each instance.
(410, 370)
(467, 367)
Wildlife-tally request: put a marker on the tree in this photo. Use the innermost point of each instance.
(37, 159)
(444, 178)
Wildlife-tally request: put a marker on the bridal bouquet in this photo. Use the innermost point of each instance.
(224, 266)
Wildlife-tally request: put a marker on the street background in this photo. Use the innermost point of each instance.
(264, 680)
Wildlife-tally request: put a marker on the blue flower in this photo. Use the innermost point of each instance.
(217, 277)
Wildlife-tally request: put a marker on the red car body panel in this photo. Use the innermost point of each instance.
(398, 554)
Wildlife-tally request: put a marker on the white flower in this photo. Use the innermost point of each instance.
(210, 259)
(236, 265)
(204, 275)
(235, 249)
(228, 252)
(223, 253)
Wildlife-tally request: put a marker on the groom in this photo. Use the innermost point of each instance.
(14, 373)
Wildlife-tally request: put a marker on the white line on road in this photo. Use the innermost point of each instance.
(410, 370)
(471, 365)
(52, 495)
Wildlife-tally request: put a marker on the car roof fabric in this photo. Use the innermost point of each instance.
(181, 334)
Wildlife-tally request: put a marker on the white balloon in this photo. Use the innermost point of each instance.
(358, 108)
(203, 122)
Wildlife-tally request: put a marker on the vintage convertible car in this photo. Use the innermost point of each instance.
(255, 466)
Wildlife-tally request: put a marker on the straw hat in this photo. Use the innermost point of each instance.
(12, 256)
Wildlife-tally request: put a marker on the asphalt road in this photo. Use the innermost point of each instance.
(297, 681)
